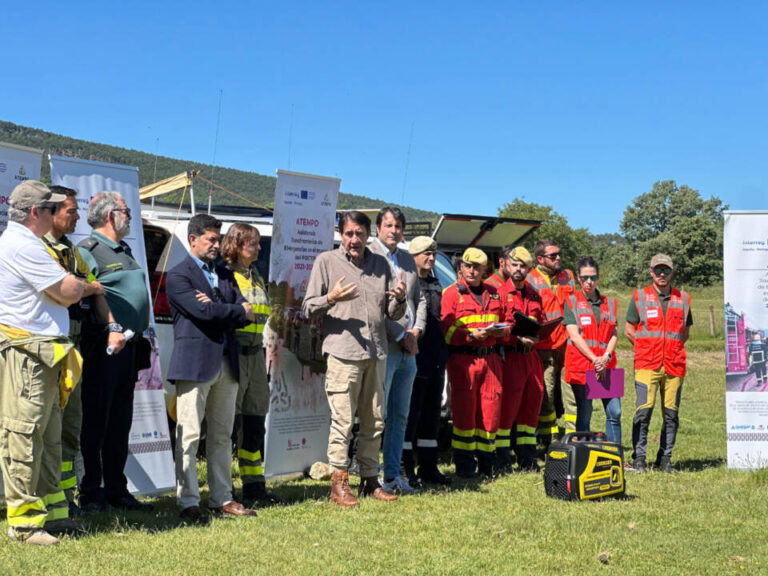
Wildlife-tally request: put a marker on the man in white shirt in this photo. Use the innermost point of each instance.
(34, 294)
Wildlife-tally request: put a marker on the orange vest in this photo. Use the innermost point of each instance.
(495, 280)
(553, 300)
(596, 337)
(462, 312)
(659, 337)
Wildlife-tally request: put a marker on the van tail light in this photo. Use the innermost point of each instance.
(159, 298)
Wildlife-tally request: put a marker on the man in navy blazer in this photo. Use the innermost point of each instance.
(207, 307)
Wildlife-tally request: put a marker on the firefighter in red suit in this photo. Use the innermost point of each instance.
(469, 309)
(523, 381)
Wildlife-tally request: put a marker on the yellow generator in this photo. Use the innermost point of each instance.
(584, 466)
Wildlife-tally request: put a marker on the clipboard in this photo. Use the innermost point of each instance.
(612, 385)
(525, 326)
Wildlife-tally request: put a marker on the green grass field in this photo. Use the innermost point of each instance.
(703, 520)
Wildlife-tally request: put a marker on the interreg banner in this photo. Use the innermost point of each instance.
(745, 262)
(299, 417)
(150, 462)
(17, 164)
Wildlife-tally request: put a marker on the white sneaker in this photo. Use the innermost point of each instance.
(398, 484)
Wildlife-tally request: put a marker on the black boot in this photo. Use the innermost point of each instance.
(465, 462)
(256, 493)
(428, 471)
(486, 464)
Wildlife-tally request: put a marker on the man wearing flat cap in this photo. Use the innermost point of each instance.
(470, 312)
(424, 415)
(658, 322)
(523, 381)
(39, 365)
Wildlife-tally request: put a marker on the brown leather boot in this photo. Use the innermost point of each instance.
(370, 487)
(341, 493)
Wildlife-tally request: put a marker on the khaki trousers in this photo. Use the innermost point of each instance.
(355, 386)
(553, 362)
(30, 441)
(214, 400)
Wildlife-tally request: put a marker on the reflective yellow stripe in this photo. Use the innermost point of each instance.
(503, 432)
(484, 434)
(66, 466)
(485, 447)
(526, 429)
(549, 417)
(19, 517)
(449, 333)
(469, 320)
(550, 430)
(523, 440)
(58, 352)
(502, 443)
(36, 505)
(68, 483)
(570, 417)
(245, 455)
(57, 514)
(470, 446)
(463, 433)
(253, 328)
(251, 470)
(37, 520)
(54, 498)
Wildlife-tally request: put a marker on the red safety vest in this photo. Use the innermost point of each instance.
(553, 300)
(659, 337)
(462, 312)
(596, 337)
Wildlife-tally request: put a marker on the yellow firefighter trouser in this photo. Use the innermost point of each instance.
(30, 440)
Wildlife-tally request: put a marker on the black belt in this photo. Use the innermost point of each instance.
(480, 351)
(520, 348)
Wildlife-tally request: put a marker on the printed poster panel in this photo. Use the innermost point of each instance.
(299, 417)
(17, 163)
(745, 262)
(150, 461)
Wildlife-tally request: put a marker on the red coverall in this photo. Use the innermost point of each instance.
(523, 381)
(474, 368)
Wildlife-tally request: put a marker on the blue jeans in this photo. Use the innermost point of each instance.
(401, 370)
(612, 408)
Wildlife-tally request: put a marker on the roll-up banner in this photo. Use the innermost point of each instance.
(17, 163)
(745, 263)
(299, 417)
(150, 461)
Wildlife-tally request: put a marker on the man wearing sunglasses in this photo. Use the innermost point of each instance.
(34, 294)
(554, 286)
(658, 322)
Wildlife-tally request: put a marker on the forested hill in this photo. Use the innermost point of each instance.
(256, 187)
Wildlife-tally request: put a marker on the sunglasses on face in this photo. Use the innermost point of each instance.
(591, 278)
(553, 256)
(126, 211)
(662, 270)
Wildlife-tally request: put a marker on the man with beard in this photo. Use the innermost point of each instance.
(553, 285)
(68, 255)
(523, 385)
(109, 379)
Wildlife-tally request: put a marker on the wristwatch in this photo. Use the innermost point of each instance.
(114, 327)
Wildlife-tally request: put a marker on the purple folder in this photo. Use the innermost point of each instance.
(612, 385)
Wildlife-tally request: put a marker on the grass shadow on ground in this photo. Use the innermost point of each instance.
(698, 464)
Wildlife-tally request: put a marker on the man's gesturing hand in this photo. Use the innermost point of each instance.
(342, 292)
(399, 291)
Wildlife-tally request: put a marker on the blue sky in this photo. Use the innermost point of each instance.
(581, 106)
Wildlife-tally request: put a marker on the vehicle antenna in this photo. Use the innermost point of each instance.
(215, 146)
(407, 161)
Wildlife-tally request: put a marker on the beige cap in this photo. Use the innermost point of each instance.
(421, 244)
(474, 256)
(33, 193)
(662, 260)
(520, 253)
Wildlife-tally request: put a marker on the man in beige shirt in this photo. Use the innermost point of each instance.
(354, 291)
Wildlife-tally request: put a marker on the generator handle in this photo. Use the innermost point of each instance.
(586, 436)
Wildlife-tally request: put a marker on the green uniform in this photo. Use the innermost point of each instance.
(253, 392)
(68, 255)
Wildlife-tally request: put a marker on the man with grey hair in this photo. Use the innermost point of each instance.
(109, 379)
(38, 365)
